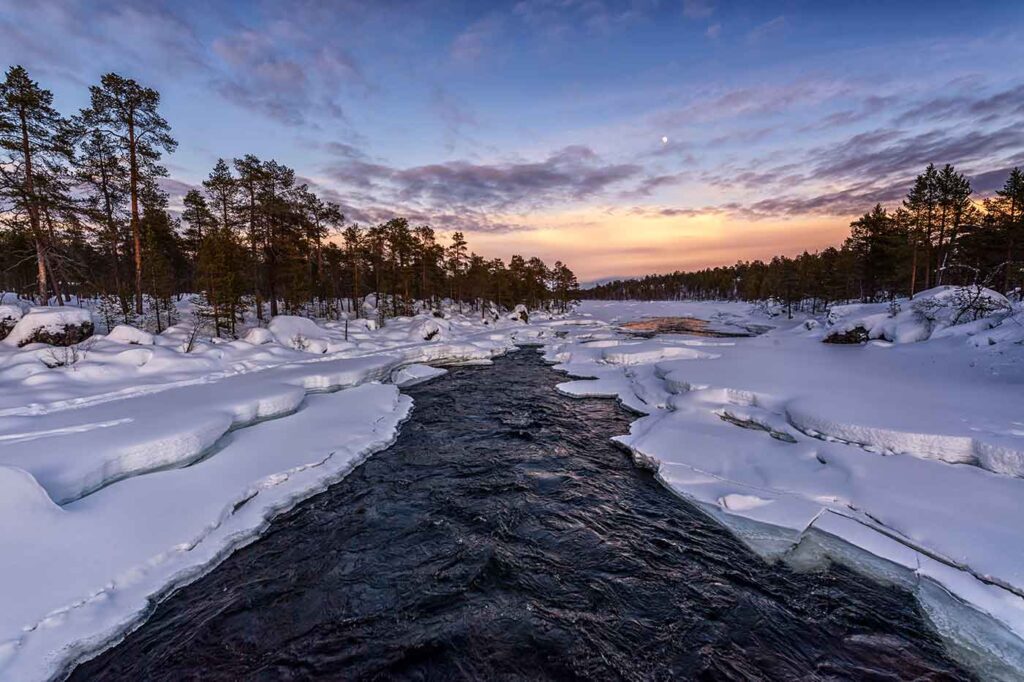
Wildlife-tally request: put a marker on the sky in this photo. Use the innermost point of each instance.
(623, 138)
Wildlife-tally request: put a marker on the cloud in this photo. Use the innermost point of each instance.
(697, 9)
(749, 101)
(471, 194)
(469, 46)
(650, 184)
(714, 31)
(885, 153)
(558, 19)
(767, 30)
(344, 150)
(1006, 104)
(571, 174)
(258, 72)
(454, 114)
(870, 106)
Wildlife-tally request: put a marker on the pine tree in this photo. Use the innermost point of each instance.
(200, 220)
(35, 146)
(122, 108)
(104, 177)
(222, 189)
(1007, 208)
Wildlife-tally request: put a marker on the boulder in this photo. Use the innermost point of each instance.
(56, 326)
(853, 335)
(9, 316)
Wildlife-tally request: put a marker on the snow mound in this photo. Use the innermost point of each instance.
(124, 333)
(258, 336)
(430, 329)
(55, 325)
(300, 333)
(942, 311)
(22, 497)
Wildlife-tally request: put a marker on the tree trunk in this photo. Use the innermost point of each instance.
(33, 210)
(913, 270)
(133, 164)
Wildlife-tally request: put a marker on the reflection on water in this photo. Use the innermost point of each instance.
(649, 326)
(503, 536)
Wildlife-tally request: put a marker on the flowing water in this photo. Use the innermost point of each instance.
(504, 536)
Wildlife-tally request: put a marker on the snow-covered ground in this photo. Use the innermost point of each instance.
(913, 452)
(135, 462)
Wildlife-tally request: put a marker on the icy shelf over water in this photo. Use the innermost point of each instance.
(142, 461)
(145, 460)
(902, 460)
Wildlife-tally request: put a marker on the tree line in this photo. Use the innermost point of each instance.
(938, 235)
(82, 214)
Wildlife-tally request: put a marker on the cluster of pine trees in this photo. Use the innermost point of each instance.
(939, 235)
(82, 214)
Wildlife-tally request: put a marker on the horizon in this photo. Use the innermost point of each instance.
(621, 138)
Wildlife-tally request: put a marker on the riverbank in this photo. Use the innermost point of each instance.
(899, 459)
(504, 534)
(143, 463)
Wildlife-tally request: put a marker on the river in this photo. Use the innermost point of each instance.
(504, 536)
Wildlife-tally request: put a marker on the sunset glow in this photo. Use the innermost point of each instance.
(620, 137)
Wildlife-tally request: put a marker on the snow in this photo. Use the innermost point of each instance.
(142, 462)
(10, 312)
(942, 311)
(144, 459)
(410, 375)
(901, 459)
(123, 333)
(51, 319)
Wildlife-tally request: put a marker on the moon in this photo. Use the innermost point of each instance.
(664, 140)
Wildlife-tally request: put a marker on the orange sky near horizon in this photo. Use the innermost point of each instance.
(602, 243)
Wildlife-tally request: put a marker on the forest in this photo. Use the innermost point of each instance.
(939, 234)
(83, 216)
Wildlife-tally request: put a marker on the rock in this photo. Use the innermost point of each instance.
(853, 335)
(520, 314)
(9, 316)
(63, 326)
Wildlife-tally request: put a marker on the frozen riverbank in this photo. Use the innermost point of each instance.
(142, 464)
(908, 452)
(505, 535)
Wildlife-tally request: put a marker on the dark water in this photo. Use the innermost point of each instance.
(504, 537)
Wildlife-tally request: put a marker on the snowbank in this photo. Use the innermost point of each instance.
(901, 460)
(141, 464)
(932, 313)
(146, 458)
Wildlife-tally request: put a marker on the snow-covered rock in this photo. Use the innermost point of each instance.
(520, 314)
(56, 326)
(9, 316)
(430, 329)
(932, 314)
(124, 333)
